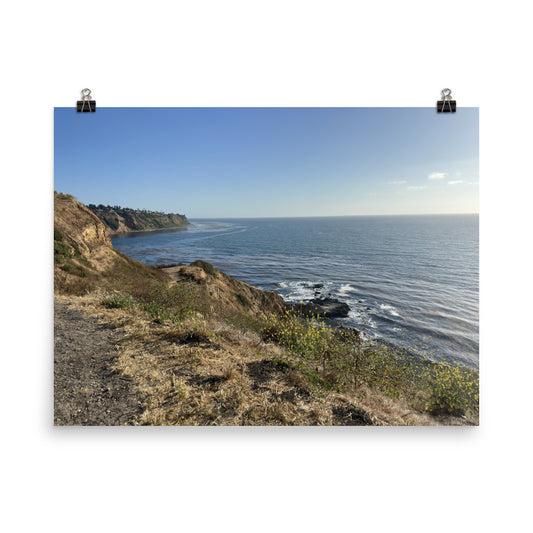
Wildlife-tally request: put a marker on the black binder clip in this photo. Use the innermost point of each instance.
(86, 104)
(446, 105)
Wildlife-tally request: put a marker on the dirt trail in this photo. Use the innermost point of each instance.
(87, 392)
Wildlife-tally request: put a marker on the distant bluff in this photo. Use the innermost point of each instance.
(118, 219)
(85, 260)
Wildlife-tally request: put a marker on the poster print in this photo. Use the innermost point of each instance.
(266, 266)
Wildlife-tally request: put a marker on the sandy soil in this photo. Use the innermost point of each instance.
(87, 391)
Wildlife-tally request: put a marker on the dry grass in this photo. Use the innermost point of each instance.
(206, 371)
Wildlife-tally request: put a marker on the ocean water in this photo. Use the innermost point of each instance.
(409, 280)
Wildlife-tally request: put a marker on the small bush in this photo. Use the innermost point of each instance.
(316, 350)
(453, 389)
(244, 321)
(63, 196)
(58, 236)
(82, 259)
(75, 269)
(61, 251)
(208, 268)
(171, 303)
(243, 300)
(119, 301)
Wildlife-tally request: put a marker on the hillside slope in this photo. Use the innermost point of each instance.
(86, 260)
(84, 257)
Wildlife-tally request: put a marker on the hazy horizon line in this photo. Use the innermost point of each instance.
(334, 216)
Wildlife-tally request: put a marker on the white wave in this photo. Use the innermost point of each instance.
(296, 291)
(362, 318)
(390, 308)
(346, 289)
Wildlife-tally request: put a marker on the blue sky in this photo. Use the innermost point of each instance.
(270, 162)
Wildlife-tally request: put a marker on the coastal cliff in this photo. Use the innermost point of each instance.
(190, 345)
(118, 219)
(86, 260)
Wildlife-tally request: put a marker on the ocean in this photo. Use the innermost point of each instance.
(409, 280)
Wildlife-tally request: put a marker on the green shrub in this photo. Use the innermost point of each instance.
(320, 352)
(61, 251)
(63, 196)
(243, 320)
(243, 300)
(119, 301)
(75, 269)
(58, 236)
(453, 389)
(339, 359)
(82, 259)
(208, 268)
(171, 303)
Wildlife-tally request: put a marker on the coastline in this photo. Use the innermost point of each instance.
(438, 316)
(200, 347)
(153, 230)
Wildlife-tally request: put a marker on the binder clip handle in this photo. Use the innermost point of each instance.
(86, 104)
(446, 105)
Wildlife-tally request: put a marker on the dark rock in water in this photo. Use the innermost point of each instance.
(325, 307)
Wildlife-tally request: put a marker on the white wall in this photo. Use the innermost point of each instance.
(275, 53)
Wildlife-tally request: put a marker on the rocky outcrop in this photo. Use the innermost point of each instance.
(78, 225)
(80, 238)
(227, 294)
(325, 307)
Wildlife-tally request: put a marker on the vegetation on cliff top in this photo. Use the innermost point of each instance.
(119, 219)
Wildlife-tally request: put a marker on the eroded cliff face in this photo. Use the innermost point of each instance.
(82, 247)
(121, 220)
(85, 258)
(81, 230)
(78, 223)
